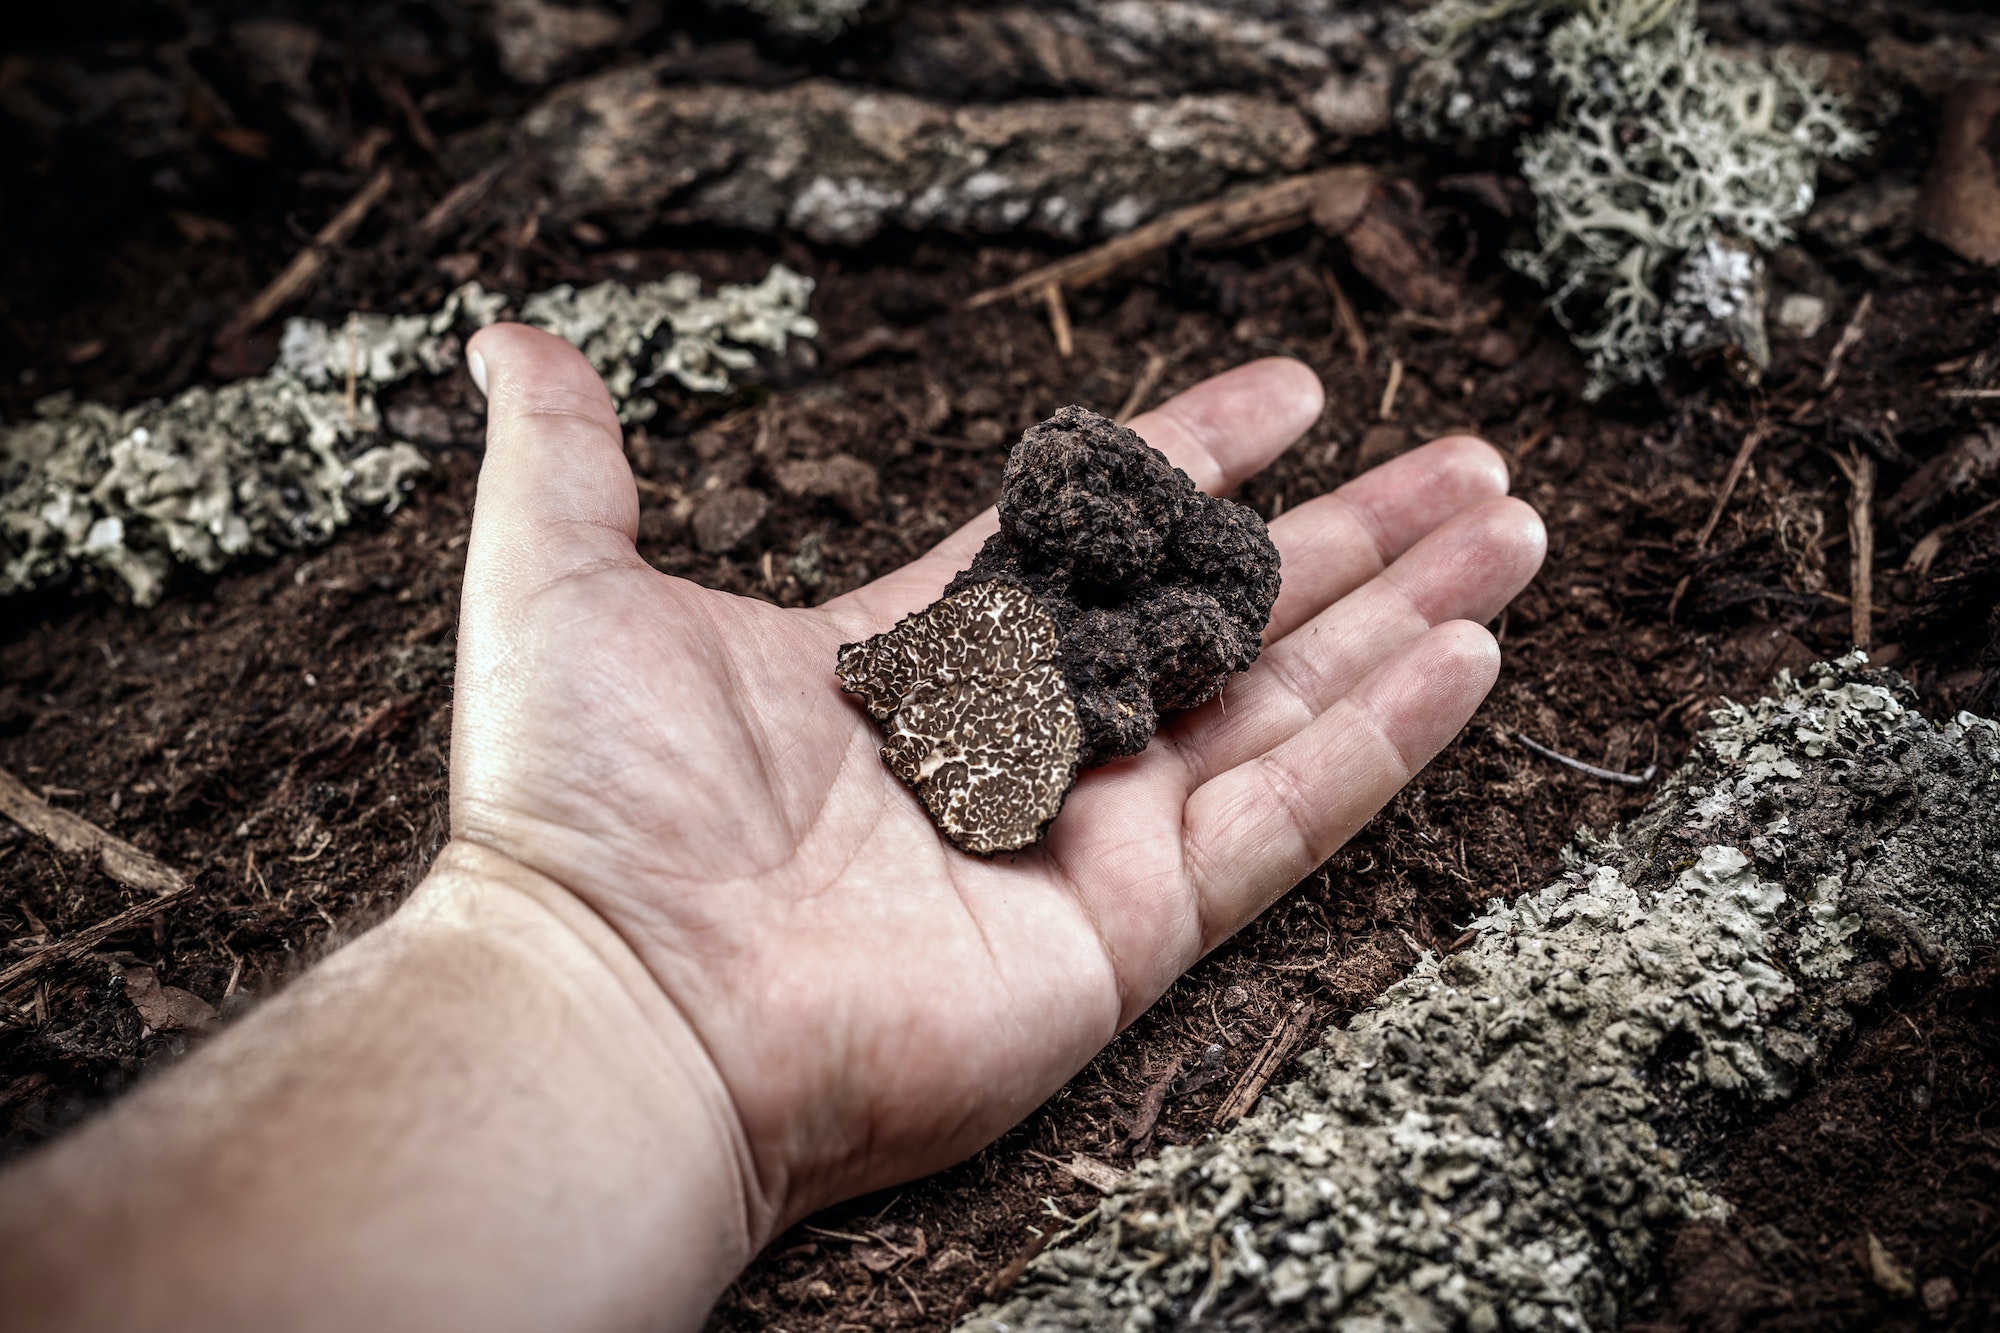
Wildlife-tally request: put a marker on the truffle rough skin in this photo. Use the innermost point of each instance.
(977, 716)
(1159, 592)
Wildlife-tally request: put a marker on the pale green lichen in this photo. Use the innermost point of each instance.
(1501, 1140)
(637, 336)
(1667, 164)
(284, 459)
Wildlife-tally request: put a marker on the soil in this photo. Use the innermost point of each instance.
(280, 732)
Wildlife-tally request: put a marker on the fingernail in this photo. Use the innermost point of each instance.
(476, 364)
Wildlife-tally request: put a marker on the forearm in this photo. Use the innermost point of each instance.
(480, 1114)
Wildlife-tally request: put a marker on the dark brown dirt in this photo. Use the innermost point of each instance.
(280, 733)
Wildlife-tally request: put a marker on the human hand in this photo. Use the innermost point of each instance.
(870, 1004)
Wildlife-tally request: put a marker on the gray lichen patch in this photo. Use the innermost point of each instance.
(637, 336)
(1499, 1142)
(978, 719)
(1658, 148)
(283, 460)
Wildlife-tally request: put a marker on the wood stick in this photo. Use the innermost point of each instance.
(1277, 1049)
(1735, 474)
(79, 837)
(1052, 297)
(458, 199)
(1849, 336)
(81, 943)
(1390, 390)
(1859, 469)
(306, 264)
(1142, 388)
(1257, 213)
(1350, 322)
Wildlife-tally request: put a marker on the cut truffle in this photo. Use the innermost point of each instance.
(1160, 593)
(1114, 593)
(978, 718)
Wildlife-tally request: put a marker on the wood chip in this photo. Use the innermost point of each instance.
(1100, 1176)
(79, 837)
(1350, 322)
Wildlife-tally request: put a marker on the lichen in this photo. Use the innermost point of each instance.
(707, 339)
(1658, 145)
(1501, 1140)
(283, 460)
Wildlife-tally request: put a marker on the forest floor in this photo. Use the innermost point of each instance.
(279, 733)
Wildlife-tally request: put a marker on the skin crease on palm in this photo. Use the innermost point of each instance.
(872, 1003)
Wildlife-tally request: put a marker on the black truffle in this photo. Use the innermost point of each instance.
(1114, 593)
(978, 719)
(1159, 592)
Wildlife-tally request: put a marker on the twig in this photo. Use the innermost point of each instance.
(1278, 1048)
(81, 943)
(1003, 1281)
(1350, 322)
(1608, 774)
(1390, 389)
(1264, 211)
(1859, 469)
(458, 199)
(1142, 388)
(306, 264)
(911, 1293)
(1925, 553)
(1849, 336)
(1737, 465)
(1972, 393)
(1052, 297)
(78, 836)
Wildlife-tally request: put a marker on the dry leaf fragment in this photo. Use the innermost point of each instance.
(164, 1008)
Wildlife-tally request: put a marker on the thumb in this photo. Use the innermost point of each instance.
(555, 492)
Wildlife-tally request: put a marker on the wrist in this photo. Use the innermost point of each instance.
(649, 1157)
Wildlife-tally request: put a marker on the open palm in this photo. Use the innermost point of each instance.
(875, 1003)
